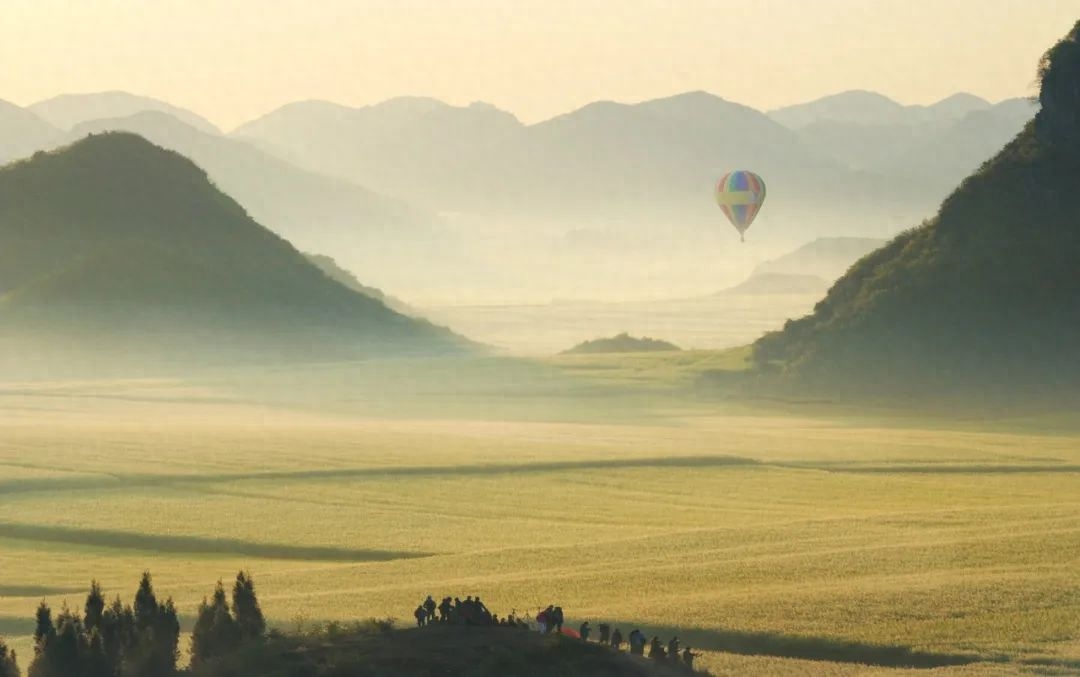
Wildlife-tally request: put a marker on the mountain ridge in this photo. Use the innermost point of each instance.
(124, 243)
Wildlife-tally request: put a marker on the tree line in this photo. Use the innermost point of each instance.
(141, 639)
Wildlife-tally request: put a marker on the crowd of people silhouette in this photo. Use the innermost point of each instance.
(550, 620)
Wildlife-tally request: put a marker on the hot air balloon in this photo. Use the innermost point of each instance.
(740, 194)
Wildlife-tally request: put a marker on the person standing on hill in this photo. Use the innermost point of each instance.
(584, 631)
(673, 648)
(637, 642)
(542, 621)
(429, 607)
(656, 649)
(558, 618)
(444, 610)
(605, 634)
(616, 640)
(688, 657)
(421, 616)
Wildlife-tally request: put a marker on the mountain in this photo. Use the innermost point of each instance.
(68, 110)
(315, 212)
(956, 150)
(985, 296)
(858, 106)
(826, 258)
(116, 246)
(870, 108)
(942, 147)
(403, 146)
(22, 132)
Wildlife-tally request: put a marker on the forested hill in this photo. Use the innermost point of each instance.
(116, 242)
(985, 294)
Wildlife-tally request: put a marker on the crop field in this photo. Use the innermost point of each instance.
(777, 540)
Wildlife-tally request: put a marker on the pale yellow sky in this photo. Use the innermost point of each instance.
(232, 60)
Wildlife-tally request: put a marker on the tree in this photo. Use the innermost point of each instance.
(44, 630)
(216, 633)
(94, 607)
(57, 648)
(9, 667)
(156, 634)
(117, 632)
(249, 615)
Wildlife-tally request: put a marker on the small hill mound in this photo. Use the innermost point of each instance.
(983, 296)
(116, 243)
(436, 650)
(623, 343)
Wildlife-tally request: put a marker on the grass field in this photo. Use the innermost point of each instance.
(780, 540)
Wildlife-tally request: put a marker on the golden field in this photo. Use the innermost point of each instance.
(781, 538)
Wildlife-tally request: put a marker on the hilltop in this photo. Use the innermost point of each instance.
(622, 343)
(436, 650)
(116, 244)
(984, 295)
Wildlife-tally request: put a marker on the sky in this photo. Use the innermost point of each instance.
(234, 60)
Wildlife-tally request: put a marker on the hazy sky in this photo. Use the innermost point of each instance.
(232, 60)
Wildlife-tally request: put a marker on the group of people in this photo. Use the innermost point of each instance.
(636, 642)
(472, 611)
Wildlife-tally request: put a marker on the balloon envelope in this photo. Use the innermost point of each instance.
(740, 195)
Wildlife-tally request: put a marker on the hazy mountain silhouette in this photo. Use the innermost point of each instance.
(953, 152)
(116, 244)
(22, 132)
(870, 108)
(986, 294)
(313, 211)
(407, 146)
(858, 106)
(608, 162)
(826, 258)
(68, 110)
(940, 144)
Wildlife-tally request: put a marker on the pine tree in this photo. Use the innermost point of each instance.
(9, 667)
(117, 633)
(66, 653)
(44, 630)
(249, 615)
(155, 648)
(216, 633)
(94, 608)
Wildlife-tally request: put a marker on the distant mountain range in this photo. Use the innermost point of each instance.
(114, 245)
(414, 192)
(982, 299)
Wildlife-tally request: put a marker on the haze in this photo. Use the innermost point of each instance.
(235, 61)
